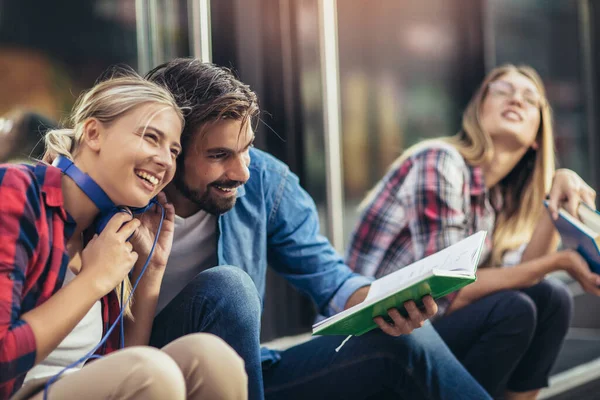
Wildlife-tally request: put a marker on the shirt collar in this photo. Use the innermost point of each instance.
(477, 181)
(241, 191)
(50, 179)
(478, 188)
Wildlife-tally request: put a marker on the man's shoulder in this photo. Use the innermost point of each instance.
(266, 170)
(268, 176)
(262, 161)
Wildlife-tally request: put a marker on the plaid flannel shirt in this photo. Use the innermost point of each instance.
(34, 230)
(430, 201)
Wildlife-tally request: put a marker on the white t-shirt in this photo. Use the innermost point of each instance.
(82, 339)
(194, 250)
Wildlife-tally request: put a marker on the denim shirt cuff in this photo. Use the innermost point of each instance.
(352, 284)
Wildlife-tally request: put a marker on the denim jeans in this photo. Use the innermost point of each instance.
(522, 331)
(224, 301)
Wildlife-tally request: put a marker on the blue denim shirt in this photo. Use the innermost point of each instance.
(275, 221)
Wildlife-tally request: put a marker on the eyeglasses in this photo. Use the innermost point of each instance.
(508, 90)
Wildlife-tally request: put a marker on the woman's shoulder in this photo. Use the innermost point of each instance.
(439, 150)
(33, 180)
(434, 155)
(17, 176)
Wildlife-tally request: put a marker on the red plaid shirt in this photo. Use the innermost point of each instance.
(34, 230)
(423, 205)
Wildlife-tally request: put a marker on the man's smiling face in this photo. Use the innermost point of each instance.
(215, 164)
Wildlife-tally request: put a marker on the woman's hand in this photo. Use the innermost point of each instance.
(144, 236)
(572, 262)
(570, 189)
(108, 257)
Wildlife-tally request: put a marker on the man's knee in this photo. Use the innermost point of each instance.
(152, 374)
(212, 368)
(233, 284)
(233, 292)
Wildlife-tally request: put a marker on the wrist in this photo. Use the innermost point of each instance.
(96, 288)
(154, 274)
(357, 297)
(563, 260)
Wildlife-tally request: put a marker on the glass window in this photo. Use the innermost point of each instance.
(545, 35)
(50, 52)
(399, 67)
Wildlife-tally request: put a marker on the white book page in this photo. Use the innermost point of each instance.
(458, 259)
(462, 255)
(589, 218)
(575, 221)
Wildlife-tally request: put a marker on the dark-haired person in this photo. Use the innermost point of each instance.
(239, 208)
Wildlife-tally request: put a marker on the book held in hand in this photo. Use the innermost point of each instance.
(581, 233)
(437, 275)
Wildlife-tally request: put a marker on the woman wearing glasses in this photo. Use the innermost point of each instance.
(494, 175)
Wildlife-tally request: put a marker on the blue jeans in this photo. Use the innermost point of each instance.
(224, 301)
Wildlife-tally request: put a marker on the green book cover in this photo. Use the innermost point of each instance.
(437, 275)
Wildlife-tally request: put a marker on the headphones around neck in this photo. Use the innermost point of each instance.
(107, 207)
(107, 210)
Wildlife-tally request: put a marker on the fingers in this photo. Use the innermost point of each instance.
(568, 187)
(590, 285)
(169, 212)
(580, 270)
(134, 258)
(588, 195)
(129, 246)
(115, 223)
(168, 207)
(404, 326)
(392, 330)
(572, 203)
(595, 278)
(431, 307)
(128, 229)
(415, 316)
(162, 198)
(553, 201)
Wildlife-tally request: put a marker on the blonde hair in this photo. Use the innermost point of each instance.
(107, 101)
(525, 187)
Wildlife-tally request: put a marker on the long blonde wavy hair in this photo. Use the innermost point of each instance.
(107, 101)
(525, 187)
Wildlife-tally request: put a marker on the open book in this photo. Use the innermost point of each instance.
(439, 274)
(581, 234)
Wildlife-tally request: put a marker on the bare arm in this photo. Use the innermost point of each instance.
(568, 190)
(526, 274)
(543, 241)
(55, 319)
(52, 321)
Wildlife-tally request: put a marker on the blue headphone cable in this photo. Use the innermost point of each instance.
(90, 355)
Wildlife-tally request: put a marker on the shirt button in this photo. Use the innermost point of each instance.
(11, 276)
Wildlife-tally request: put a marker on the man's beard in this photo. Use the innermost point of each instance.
(207, 202)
